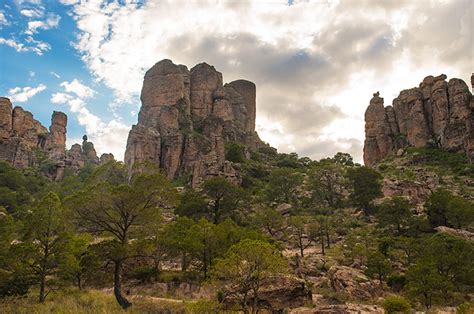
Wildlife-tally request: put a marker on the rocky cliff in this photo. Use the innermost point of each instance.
(187, 118)
(438, 113)
(24, 142)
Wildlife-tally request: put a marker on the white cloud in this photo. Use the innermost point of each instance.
(11, 43)
(36, 12)
(56, 75)
(314, 63)
(36, 46)
(52, 21)
(21, 2)
(3, 19)
(107, 136)
(76, 87)
(23, 94)
(68, 2)
(60, 98)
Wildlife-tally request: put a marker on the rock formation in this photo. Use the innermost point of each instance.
(186, 119)
(22, 138)
(24, 142)
(437, 113)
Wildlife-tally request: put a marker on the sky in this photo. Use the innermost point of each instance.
(316, 64)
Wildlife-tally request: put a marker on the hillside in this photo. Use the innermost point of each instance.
(203, 217)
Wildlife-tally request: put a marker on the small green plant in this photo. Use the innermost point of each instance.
(396, 304)
(464, 308)
(234, 152)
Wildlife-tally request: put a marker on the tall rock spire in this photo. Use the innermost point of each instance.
(187, 117)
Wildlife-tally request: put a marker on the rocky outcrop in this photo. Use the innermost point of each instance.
(80, 155)
(24, 142)
(352, 282)
(186, 119)
(276, 294)
(348, 308)
(437, 113)
(464, 234)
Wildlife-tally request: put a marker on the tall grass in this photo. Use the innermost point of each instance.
(88, 301)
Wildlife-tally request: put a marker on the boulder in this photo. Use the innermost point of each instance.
(277, 294)
(352, 282)
(347, 308)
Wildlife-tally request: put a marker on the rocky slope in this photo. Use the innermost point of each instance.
(187, 118)
(436, 114)
(25, 142)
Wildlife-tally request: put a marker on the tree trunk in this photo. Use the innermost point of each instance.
(255, 303)
(216, 211)
(301, 247)
(44, 269)
(42, 295)
(328, 243)
(322, 244)
(79, 280)
(244, 304)
(184, 262)
(124, 303)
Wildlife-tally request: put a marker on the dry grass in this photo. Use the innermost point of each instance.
(90, 301)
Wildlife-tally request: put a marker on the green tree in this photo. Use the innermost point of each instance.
(177, 241)
(123, 213)
(460, 212)
(425, 283)
(192, 204)
(444, 264)
(366, 187)
(244, 269)
(343, 159)
(283, 184)
(378, 266)
(271, 221)
(326, 182)
(223, 194)
(436, 206)
(235, 152)
(14, 279)
(46, 240)
(394, 213)
(301, 233)
(80, 261)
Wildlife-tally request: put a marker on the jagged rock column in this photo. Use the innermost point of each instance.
(437, 113)
(186, 119)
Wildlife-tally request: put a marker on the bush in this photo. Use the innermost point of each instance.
(234, 152)
(464, 308)
(144, 274)
(396, 304)
(396, 282)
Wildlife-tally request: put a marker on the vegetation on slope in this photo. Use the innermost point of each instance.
(292, 217)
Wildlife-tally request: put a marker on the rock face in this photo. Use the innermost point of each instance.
(24, 142)
(186, 119)
(437, 113)
(352, 282)
(22, 138)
